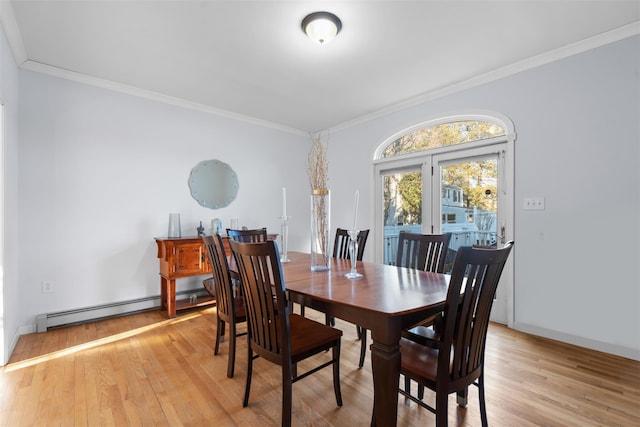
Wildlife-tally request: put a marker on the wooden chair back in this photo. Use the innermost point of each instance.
(474, 279)
(248, 236)
(422, 251)
(274, 334)
(221, 277)
(452, 360)
(341, 250)
(265, 299)
(230, 307)
(341, 244)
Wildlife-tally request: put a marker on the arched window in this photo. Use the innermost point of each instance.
(443, 134)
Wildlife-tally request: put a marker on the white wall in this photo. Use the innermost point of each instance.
(578, 139)
(99, 173)
(10, 302)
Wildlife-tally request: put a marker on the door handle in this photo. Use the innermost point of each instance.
(502, 232)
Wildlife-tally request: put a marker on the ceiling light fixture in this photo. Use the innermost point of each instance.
(321, 27)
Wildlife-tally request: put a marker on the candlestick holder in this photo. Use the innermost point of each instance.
(284, 237)
(353, 254)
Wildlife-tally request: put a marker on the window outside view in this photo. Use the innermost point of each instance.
(468, 199)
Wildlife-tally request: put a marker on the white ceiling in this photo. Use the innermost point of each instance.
(250, 59)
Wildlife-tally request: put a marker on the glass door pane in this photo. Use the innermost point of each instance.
(469, 203)
(402, 204)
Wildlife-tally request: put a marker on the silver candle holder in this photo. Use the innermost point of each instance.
(284, 238)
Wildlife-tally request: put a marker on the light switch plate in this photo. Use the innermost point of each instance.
(534, 204)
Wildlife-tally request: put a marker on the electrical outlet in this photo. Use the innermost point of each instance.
(47, 287)
(534, 204)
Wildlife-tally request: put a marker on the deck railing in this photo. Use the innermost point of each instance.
(458, 238)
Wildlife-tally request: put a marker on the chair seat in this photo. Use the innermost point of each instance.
(422, 335)
(418, 362)
(308, 336)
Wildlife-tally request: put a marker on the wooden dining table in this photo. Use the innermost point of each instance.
(385, 300)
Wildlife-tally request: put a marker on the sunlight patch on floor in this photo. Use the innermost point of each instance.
(96, 343)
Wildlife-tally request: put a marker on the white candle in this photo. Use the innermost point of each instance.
(355, 209)
(284, 202)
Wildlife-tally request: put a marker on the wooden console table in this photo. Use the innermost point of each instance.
(182, 257)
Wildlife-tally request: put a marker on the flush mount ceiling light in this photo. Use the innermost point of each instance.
(321, 27)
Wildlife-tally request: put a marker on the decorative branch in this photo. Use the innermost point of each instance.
(317, 164)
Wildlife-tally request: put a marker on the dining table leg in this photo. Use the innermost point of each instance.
(385, 366)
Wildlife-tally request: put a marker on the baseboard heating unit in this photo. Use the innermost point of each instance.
(87, 314)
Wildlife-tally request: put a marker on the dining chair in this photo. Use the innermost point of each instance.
(341, 244)
(274, 333)
(341, 250)
(455, 357)
(248, 236)
(419, 251)
(230, 309)
(422, 251)
(424, 331)
(426, 252)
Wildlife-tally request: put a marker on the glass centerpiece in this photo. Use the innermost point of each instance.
(353, 254)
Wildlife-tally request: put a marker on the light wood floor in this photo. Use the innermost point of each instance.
(146, 370)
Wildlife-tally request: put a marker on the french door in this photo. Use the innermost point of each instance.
(467, 192)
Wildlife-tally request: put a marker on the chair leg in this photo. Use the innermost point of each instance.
(483, 405)
(462, 397)
(442, 408)
(301, 310)
(232, 350)
(329, 320)
(247, 387)
(407, 387)
(336, 373)
(363, 346)
(219, 333)
(287, 398)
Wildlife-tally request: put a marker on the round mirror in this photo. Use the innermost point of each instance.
(213, 184)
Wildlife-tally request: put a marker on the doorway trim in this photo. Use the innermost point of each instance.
(382, 165)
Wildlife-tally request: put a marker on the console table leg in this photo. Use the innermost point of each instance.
(168, 296)
(163, 293)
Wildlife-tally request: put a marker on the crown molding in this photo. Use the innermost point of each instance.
(599, 40)
(154, 96)
(11, 30)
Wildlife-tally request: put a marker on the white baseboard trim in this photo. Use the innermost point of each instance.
(87, 314)
(618, 350)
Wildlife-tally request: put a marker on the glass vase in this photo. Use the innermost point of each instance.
(353, 254)
(320, 226)
(174, 226)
